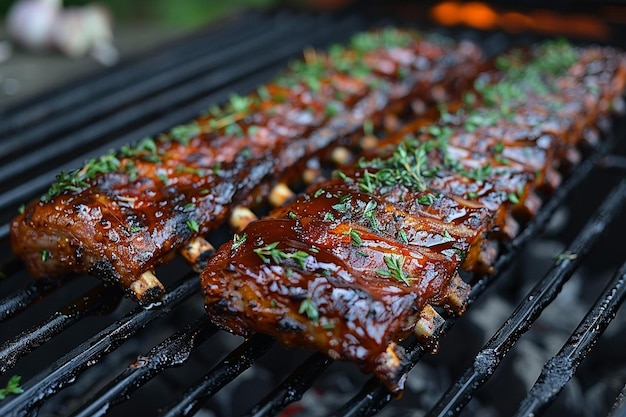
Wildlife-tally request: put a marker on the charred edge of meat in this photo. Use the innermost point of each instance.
(438, 200)
(136, 206)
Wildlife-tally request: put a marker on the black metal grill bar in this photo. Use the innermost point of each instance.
(19, 301)
(82, 92)
(63, 372)
(228, 369)
(293, 387)
(557, 372)
(98, 300)
(374, 396)
(249, 73)
(619, 407)
(488, 359)
(173, 351)
(187, 79)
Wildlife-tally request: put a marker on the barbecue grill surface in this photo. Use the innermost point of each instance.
(83, 349)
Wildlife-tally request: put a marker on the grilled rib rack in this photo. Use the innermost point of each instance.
(73, 345)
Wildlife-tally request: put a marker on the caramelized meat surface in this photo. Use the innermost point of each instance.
(123, 213)
(360, 262)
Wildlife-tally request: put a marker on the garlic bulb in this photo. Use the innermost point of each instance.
(30, 22)
(75, 31)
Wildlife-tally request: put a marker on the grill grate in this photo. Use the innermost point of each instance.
(171, 78)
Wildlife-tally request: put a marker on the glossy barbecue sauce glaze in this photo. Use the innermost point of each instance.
(127, 211)
(359, 262)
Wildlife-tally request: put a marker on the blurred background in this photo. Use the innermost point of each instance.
(28, 67)
(49, 43)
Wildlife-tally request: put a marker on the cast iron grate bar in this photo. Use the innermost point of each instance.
(141, 94)
(19, 301)
(173, 351)
(619, 407)
(81, 92)
(249, 74)
(64, 371)
(374, 396)
(100, 300)
(488, 359)
(228, 369)
(293, 387)
(204, 78)
(557, 372)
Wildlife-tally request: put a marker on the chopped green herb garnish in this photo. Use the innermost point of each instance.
(355, 238)
(193, 225)
(263, 93)
(394, 264)
(344, 203)
(233, 129)
(12, 387)
(21, 209)
(368, 128)
(238, 240)
(319, 192)
(163, 177)
(240, 103)
(331, 109)
(292, 215)
(310, 309)
(184, 133)
(513, 198)
(45, 255)
(369, 213)
(329, 216)
(426, 199)
(402, 237)
(278, 255)
(135, 229)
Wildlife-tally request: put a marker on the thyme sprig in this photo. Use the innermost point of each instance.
(279, 256)
(395, 270)
(309, 308)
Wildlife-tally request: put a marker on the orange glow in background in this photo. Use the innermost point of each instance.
(482, 16)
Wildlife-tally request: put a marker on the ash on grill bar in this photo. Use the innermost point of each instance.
(400, 179)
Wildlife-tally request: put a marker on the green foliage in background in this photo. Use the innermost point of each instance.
(178, 13)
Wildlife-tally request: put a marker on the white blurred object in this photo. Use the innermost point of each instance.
(30, 22)
(75, 31)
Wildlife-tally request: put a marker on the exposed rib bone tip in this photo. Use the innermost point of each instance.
(458, 292)
(311, 176)
(241, 217)
(428, 323)
(280, 194)
(341, 156)
(197, 252)
(147, 288)
(391, 122)
(368, 142)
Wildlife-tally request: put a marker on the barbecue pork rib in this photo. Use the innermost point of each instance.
(360, 262)
(125, 212)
